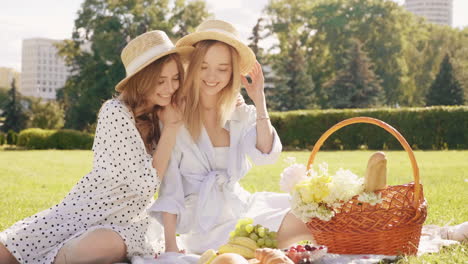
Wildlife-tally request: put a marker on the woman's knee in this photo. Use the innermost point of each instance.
(6, 256)
(293, 230)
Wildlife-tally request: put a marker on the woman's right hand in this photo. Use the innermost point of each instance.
(170, 115)
(174, 248)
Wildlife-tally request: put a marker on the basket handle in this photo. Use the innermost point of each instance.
(391, 130)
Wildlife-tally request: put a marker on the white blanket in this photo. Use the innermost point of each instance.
(431, 242)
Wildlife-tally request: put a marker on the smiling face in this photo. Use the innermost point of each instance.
(166, 85)
(216, 69)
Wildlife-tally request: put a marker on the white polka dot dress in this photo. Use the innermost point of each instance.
(114, 195)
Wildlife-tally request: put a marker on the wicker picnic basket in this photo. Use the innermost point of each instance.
(392, 227)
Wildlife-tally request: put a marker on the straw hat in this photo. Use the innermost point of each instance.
(145, 49)
(225, 32)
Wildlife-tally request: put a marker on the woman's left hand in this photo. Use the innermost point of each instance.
(255, 89)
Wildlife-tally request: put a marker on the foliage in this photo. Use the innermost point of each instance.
(46, 115)
(11, 137)
(102, 29)
(36, 138)
(424, 128)
(293, 85)
(446, 89)
(2, 138)
(3, 97)
(14, 113)
(406, 50)
(355, 85)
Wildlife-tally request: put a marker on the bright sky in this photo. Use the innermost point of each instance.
(21, 19)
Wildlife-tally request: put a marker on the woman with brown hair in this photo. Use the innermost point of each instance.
(103, 218)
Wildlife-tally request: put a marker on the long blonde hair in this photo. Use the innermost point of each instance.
(137, 91)
(191, 89)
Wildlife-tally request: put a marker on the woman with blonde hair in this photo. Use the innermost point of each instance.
(103, 218)
(200, 196)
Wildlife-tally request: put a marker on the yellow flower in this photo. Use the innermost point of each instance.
(314, 189)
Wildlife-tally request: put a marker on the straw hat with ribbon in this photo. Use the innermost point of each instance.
(145, 49)
(225, 32)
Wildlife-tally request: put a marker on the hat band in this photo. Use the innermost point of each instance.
(232, 35)
(146, 56)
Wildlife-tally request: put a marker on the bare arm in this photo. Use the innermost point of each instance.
(170, 221)
(255, 90)
(172, 121)
(164, 149)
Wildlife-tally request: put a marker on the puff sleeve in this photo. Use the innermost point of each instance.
(119, 150)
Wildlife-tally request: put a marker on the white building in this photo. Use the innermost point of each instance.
(43, 71)
(7, 75)
(436, 11)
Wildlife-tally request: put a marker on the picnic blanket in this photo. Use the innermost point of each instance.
(431, 242)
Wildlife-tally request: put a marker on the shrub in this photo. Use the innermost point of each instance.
(12, 137)
(70, 139)
(36, 138)
(424, 128)
(2, 139)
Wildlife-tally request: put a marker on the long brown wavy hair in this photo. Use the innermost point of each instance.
(137, 91)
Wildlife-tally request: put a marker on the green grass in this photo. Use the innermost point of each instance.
(31, 181)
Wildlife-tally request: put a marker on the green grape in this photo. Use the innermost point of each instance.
(273, 234)
(260, 242)
(243, 233)
(249, 220)
(261, 231)
(275, 243)
(244, 221)
(249, 228)
(232, 234)
(256, 228)
(254, 236)
(268, 242)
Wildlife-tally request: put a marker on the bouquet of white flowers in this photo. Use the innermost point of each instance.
(318, 193)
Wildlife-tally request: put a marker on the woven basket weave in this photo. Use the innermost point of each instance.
(392, 227)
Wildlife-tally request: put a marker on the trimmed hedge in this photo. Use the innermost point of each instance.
(429, 128)
(36, 138)
(2, 139)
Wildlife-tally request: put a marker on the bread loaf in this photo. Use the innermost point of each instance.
(376, 172)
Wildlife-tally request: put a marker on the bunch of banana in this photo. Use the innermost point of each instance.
(243, 246)
(207, 257)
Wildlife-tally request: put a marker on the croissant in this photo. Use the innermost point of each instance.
(271, 256)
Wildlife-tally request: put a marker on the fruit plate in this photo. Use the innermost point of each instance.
(305, 254)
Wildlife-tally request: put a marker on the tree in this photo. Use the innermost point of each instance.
(378, 24)
(446, 89)
(3, 97)
(187, 16)
(102, 29)
(48, 115)
(14, 114)
(293, 85)
(258, 35)
(356, 85)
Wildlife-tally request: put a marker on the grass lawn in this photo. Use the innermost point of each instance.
(31, 181)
